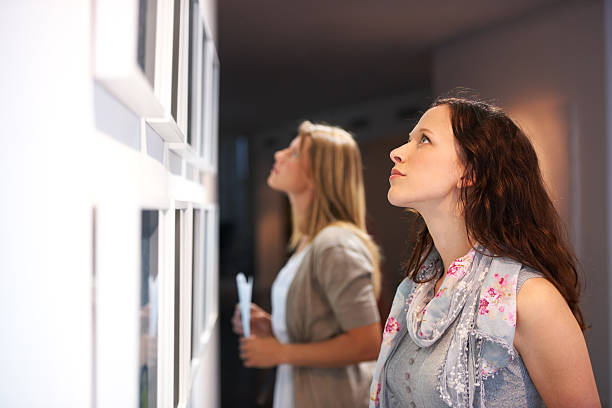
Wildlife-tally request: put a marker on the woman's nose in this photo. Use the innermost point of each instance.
(277, 154)
(395, 155)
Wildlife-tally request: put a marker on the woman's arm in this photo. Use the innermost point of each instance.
(552, 347)
(356, 345)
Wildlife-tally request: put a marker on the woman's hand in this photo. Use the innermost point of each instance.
(261, 323)
(261, 352)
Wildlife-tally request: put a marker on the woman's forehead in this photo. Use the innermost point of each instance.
(437, 120)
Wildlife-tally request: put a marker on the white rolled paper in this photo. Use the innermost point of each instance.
(245, 289)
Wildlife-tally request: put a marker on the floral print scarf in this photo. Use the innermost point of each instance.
(480, 291)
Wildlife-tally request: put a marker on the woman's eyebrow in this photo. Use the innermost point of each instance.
(426, 130)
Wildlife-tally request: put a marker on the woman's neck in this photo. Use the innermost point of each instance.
(299, 205)
(300, 202)
(449, 235)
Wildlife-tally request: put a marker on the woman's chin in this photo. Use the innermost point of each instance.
(393, 199)
(399, 200)
(273, 184)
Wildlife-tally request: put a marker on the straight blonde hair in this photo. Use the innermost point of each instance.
(339, 196)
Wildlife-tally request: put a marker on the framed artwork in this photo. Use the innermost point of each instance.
(183, 288)
(205, 267)
(205, 85)
(201, 144)
(198, 76)
(199, 280)
(178, 250)
(174, 20)
(149, 308)
(207, 148)
(192, 67)
(209, 308)
(125, 52)
(214, 115)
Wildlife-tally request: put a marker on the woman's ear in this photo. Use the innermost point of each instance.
(467, 180)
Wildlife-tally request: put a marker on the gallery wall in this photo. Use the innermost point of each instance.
(109, 212)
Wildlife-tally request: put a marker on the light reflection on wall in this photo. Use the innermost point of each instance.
(547, 124)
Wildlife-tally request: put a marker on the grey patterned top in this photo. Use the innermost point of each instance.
(412, 375)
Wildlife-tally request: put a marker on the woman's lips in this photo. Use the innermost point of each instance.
(395, 174)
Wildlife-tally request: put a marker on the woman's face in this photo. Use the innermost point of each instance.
(427, 172)
(290, 172)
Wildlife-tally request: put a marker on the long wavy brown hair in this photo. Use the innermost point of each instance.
(506, 206)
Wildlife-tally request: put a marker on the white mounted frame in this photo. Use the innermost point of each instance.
(188, 148)
(210, 110)
(204, 89)
(214, 115)
(150, 257)
(126, 52)
(172, 70)
(211, 297)
(135, 182)
(183, 261)
(206, 281)
(200, 256)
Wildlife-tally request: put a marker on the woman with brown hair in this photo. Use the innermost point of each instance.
(324, 319)
(488, 314)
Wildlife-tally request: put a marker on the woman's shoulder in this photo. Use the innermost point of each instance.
(338, 236)
(522, 272)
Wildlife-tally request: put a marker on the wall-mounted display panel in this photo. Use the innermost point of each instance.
(126, 308)
(149, 308)
(210, 308)
(199, 98)
(214, 115)
(208, 145)
(178, 260)
(199, 280)
(155, 263)
(125, 52)
(172, 69)
(182, 319)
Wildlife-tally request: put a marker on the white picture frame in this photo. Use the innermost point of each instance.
(150, 257)
(208, 147)
(183, 253)
(188, 148)
(172, 70)
(201, 152)
(126, 52)
(212, 274)
(199, 280)
(134, 183)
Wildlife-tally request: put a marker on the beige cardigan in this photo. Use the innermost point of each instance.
(331, 293)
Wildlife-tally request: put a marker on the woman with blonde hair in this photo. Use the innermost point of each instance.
(324, 319)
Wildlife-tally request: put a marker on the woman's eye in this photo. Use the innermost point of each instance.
(425, 139)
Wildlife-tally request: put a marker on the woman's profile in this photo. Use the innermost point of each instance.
(324, 318)
(488, 313)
